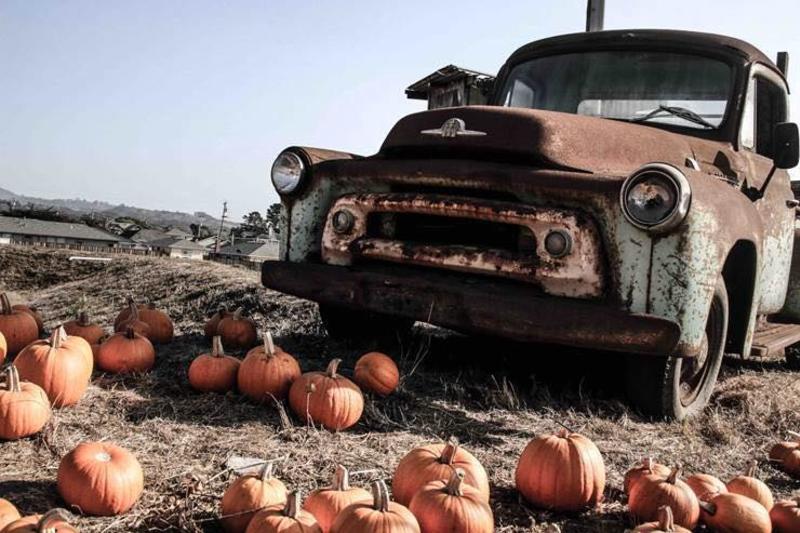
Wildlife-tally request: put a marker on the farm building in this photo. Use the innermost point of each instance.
(178, 248)
(452, 86)
(249, 251)
(48, 233)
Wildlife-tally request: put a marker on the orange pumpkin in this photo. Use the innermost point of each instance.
(705, 486)
(84, 328)
(665, 524)
(327, 398)
(61, 365)
(133, 321)
(126, 352)
(100, 478)
(8, 513)
(267, 372)
(381, 515)
(237, 331)
(33, 312)
(647, 466)
(780, 450)
(377, 373)
(752, 487)
(734, 513)
(445, 506)
(215, 371)
(291, 519)
(248, 495)
(652, 492)
(326, 504)
(785, 516)
(26, 524)
(3, 348)
(210, 327)
(18, 327)
(24, 407)
(162, 329)
(429, 463)
(55, 521)
(563, 472)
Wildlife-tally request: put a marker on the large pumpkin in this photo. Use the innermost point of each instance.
(563, 472)
(55, 521)
(100, 478)
(326, 504)
(210, 327)
(8, 513)
(238, 332)
(785, 516)
(215, 371)
(33, 312)
(248, 495)
(381, 515)
(433, 462)
(327, 398)
(161, 328)
(61, 365)
(267, 372)
(126, 352)
(665, 523)
(752, 487)
(705, 486)
(734, 513)
(84, 328)
(291, 519)
(645, 467)
(451, 505)
(652, 492)
(24, 407)
(26, 524)
(133, 321)
(18, 327)
(377, 373)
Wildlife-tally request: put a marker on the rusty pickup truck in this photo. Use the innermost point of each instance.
(625, 191)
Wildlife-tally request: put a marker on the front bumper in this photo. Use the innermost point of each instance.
(473, 304)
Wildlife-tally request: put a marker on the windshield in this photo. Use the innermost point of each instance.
(649, 87)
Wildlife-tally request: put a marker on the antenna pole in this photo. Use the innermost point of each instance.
(595, 13)
(221, 223)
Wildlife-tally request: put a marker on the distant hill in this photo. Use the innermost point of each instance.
(153, 217)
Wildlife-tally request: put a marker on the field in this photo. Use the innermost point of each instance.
(493, 396)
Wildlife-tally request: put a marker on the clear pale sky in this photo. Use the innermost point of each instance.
(179, 105)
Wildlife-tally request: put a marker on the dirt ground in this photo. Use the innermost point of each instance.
(493, 396)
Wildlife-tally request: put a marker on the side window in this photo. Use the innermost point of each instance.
(770, 109)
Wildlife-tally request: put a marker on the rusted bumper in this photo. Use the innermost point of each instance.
(472, 304)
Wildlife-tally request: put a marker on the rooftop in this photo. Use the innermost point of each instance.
(46, 228)
(419, 90)
(177, 243)
(252, 249)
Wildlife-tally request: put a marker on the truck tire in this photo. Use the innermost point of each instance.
(674, 388)
(344, 324)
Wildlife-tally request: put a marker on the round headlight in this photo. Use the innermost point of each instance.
(656, 197)
(287, 172)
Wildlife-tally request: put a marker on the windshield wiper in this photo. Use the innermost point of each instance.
(680, 112)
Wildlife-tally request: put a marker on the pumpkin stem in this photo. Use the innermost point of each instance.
(134, 310)
(380, 496)
(341, 479)
(666, 520)
(647, 462)
(563, 433)
(449, 451)
(130, 332)
(53, 515)
(269, 345)
(751, 468)
(216, 347)
(793, 434)
(266, 472)
(333, 366)
(58, 337)
(708, 507)
(673, 476)
(5, 305)
(453, 487)
(237, 315)
(292, 509)
(151, 305)
(12, 379)
(83, 318)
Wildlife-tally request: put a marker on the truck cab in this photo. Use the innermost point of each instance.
(623, 191)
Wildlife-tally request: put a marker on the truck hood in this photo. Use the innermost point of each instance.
(553, 140)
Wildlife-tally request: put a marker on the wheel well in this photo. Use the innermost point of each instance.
(739, 273)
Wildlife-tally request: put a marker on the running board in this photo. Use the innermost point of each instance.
(771, 339)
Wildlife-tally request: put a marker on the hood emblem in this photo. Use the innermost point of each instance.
(452, 128)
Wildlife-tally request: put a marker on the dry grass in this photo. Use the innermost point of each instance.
(493, 396)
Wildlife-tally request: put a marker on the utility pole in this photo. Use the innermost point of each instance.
(221, 223)
(595, 13)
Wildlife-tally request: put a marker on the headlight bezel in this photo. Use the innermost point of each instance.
(680, 186)
(297, 183)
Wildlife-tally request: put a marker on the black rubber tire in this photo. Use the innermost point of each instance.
(654, 384)
(363, 327)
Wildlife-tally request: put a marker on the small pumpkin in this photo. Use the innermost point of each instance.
(734, 513)
(248, 495)
(665, 523)
(377, 372)
(327, 398)
(291, 519)
(33, 312)
(61, 365)
(238, 332)
(55, 521)
(215, 371)
(752, 487)
(267, 372)
(785, 516)
(24, 408)
(652, 492)
(84, 328)
(8, 513)
(381, 515)
(564, 472)
(126, 352)
(3, 348)
(26, 524)
(782, 449)
(647, 466)
(18, 327)
(326, 504)
(705, 486)
(100, 478)
(210, 327)
(133, 321)
(452, 505)
(433, 462)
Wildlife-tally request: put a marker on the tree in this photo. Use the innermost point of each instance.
(273, 221)
(254, 220)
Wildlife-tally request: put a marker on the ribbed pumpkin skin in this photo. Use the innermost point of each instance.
(735, 513)
(249, 493)
(377, 372)
(652, 491)
(26, 524)
(33, 312)
(377, 516)
(8, 513)
(647, 466)
(327, 398)
(126, 352)
(210, 327)
(267, 371)
(291, 519)
(215, 371)
(782, 449)
(3, 348)
(664, 524)
(706, 486)
(100, 478)
(24, 408)
(81, 327)
(18, 327)
(441, 511)
(161, 328)
(563, 472)
(791, 463)
(433, 462)
(326, 504)
(61, 365)
(51, 522)
(237, 332)
(785, 517)
(753, 488)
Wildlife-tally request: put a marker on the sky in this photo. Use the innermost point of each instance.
(168, 104)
